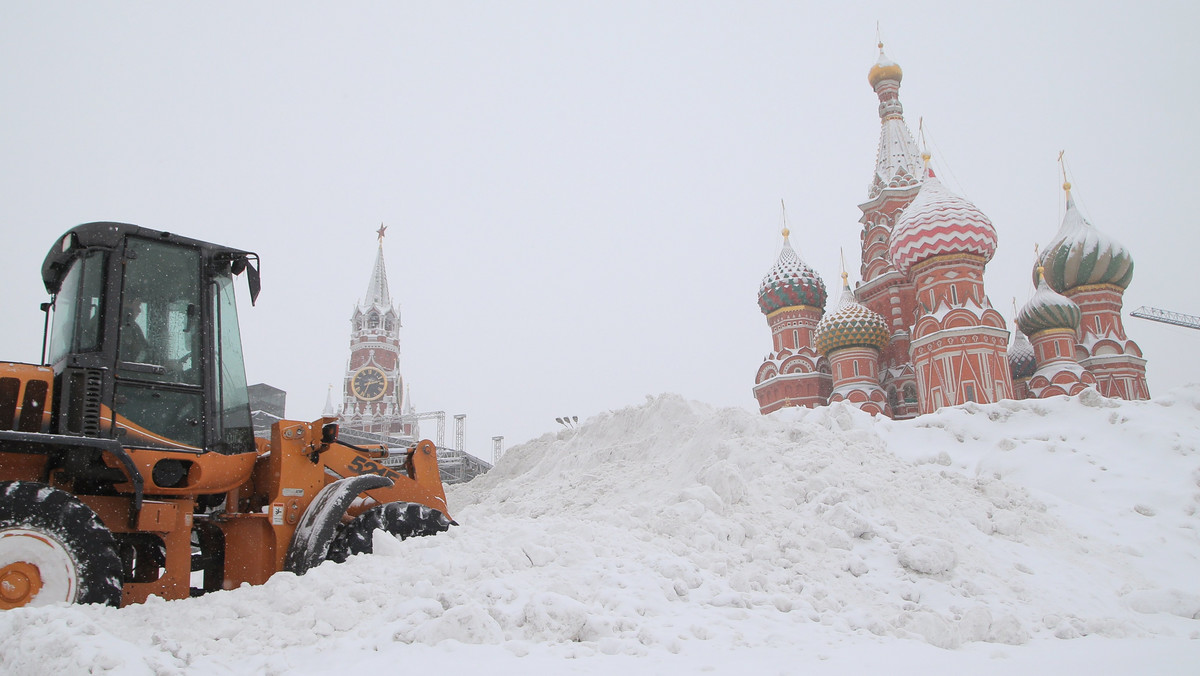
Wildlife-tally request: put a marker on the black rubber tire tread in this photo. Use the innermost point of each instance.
(401, 519)
(36, 506)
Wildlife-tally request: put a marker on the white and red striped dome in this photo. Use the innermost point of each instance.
(939, 222)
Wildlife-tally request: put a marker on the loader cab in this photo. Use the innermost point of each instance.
(144, 339)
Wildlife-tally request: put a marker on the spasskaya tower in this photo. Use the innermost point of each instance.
(374, 396)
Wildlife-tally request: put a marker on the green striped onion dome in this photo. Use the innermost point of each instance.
(1021, 361)
(791, 282)
(1080, 255)
(851, 325)
(1047, 310)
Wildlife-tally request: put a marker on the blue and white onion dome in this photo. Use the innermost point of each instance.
(1021, 360)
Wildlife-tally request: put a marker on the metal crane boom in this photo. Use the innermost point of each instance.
(1167, 317)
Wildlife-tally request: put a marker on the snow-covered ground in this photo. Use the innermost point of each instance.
(672, 537)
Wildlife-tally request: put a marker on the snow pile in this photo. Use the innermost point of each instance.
(656, 529)
(901, 529)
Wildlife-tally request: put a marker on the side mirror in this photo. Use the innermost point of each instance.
(239, 265)
(253, 280)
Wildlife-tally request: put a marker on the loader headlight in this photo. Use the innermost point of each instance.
(169, 473)
(329, 433)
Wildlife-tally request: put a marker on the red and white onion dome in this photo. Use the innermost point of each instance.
(939, 222)
(791, 282)
(851, 325)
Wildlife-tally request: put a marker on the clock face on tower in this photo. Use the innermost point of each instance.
(369, 383)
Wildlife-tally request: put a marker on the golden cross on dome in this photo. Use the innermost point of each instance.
(381, 232)
(1062, 164)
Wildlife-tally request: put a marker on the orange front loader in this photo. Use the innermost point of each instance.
(128, 466)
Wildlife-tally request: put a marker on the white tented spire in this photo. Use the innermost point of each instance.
(329, 411)
(378, 294)
(898, 161)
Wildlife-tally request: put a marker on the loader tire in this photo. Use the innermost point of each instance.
(401, 519)
(54, 548)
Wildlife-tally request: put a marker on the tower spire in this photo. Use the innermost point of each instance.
(377, 288)
(329, 410)
(898, 161)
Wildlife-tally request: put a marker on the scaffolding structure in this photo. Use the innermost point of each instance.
(416, 418)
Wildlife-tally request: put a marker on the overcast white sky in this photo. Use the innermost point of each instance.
(581, 197)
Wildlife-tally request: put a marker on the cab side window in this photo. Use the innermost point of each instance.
(159, 398)
(160, 313)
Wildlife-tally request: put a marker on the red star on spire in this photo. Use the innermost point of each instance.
(381, 231)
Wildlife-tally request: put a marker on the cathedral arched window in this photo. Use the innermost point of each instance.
(373, 321)
(358, 323)
(387, 324)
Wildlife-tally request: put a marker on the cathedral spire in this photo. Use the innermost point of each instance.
(377, 290)
(898, 162)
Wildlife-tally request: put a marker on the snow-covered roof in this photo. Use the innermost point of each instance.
(1021, 360)
(1046, 310)
(790, 282)
(378, 294)
(940, 222)
(850, 325)
(1080, 254)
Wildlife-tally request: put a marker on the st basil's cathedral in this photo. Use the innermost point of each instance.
(919, 332)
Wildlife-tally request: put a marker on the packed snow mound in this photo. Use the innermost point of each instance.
(670, 523)
(977, 523)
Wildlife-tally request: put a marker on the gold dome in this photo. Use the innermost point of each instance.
(884, 69)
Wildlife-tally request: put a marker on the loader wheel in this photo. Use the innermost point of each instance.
(53, 548)
(402, 519)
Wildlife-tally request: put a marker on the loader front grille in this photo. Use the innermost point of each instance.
(10, 391)
(23, 404)
(84, 406)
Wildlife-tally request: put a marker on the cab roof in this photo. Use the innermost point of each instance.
(109, 236)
